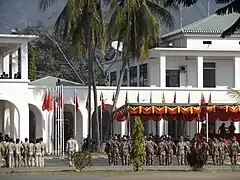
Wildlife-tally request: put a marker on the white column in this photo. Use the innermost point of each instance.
(14, 122)
(7, 122)
(163, 125)
(123, 128)
(14, 63)
(24, 121)
(237, 84)
(24, 61)
(6, 64)
(200, 72)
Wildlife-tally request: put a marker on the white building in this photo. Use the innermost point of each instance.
(197, 61)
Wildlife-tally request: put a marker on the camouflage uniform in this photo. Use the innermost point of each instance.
(6, 152)
(25, 152)
(38, 153)
(150, 149)
(205, 146)
(43, 147)
(233, 151)
(170, 146)
(2, 150)
(129, 141)
(115, 151)
(108, 150)
(30, 155)
(222, 149)
(181, 146)
(162, 149)
(18, 153)
(10, 153)
(187, 149)
(71, 147)
(125, 151)
(215, 152)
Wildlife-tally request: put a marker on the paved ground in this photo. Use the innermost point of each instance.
(127, 176)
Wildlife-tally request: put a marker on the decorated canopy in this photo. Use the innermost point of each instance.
(174, 111)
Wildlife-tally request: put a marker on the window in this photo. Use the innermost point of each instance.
(209, 74)
(143, 79)
(125, 79)
(133, 76)
(172, 78)
(113, 78)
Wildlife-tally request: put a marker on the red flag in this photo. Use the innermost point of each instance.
(76, 103)
(175, 97)
(189, 98)
(210, 99)
(203, 102)
(163, 98)
(102, 101)
(49, 102)
(87, 103)
(45, 100)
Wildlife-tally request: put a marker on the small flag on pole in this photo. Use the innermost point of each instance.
(102, 101)
(210, 98)
(150, 97)
(76, 102)
(113, 97)
(126, 98)
(49, 102)
(189, 96)
(138, 97)
(175, 97)
(45, 100)
(87, 101)
(203, 102)
(163, 98)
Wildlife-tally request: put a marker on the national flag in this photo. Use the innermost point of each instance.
(203, 102)
(138, 97)
(126, 98)
(189, 97)
(210, 99)
(87, 101)
(45, 100)
(49, 102)
(163, 98)
(175, 97)
(76, 103)
(59, 96)
(102, 101)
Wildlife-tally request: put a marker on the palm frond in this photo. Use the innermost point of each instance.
(232, 29)
(223, 1)
(235, 94)
(184, 2)
(44, 4)
(233, 7)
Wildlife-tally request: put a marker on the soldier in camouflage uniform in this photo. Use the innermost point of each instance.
(25, 152)
(115, 151)
(222, 150)
(129, 141)
(38, 153)
(125, 151)
(162, 151)
(6, 153)
(206, 147)
(171, 147)
(18, 153)
(180, 151)
(30, 150)
(108, 150)
(71, 147)
(10, 153)
(43, 145)
(187, 149)
(234, 149)
(2, 151)
(150, 149)
(215, 151)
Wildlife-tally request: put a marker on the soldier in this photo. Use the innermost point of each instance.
(38, 153)
(43, 147)
(18, 153)
(150, 149)
(2, 151)
(25, 152)
(205, 147)
(233, 151)
(162, 149)
(10, 153)
(30, 155)
(222, 149)
(108, 150)
(171, 147)
(125, 151)
(129, 141)
(71, 147)
(180, 151)
(6, 153)
(115, 150)
(215, 151)
(187, 149)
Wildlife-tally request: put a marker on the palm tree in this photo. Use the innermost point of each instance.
(135, 23)
(233, 6)
(235, 94)
(81, 23)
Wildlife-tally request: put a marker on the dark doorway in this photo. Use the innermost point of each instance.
(32, 126)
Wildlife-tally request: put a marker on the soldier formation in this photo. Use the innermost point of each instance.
(22, 154)
(118, 149)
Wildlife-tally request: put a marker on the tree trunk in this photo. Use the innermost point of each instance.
(96, 114)
(116, 97)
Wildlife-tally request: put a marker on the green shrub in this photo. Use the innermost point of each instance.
(138, 150)
(81, 159)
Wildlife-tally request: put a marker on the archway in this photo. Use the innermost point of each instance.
(36, 122)
(9, 119)
(69, 126)
(106, 121)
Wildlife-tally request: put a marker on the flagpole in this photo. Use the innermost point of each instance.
(63, 138)
(75, 114)
(207, 126)
(58, 121)
(101, 114)
(55, 123)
